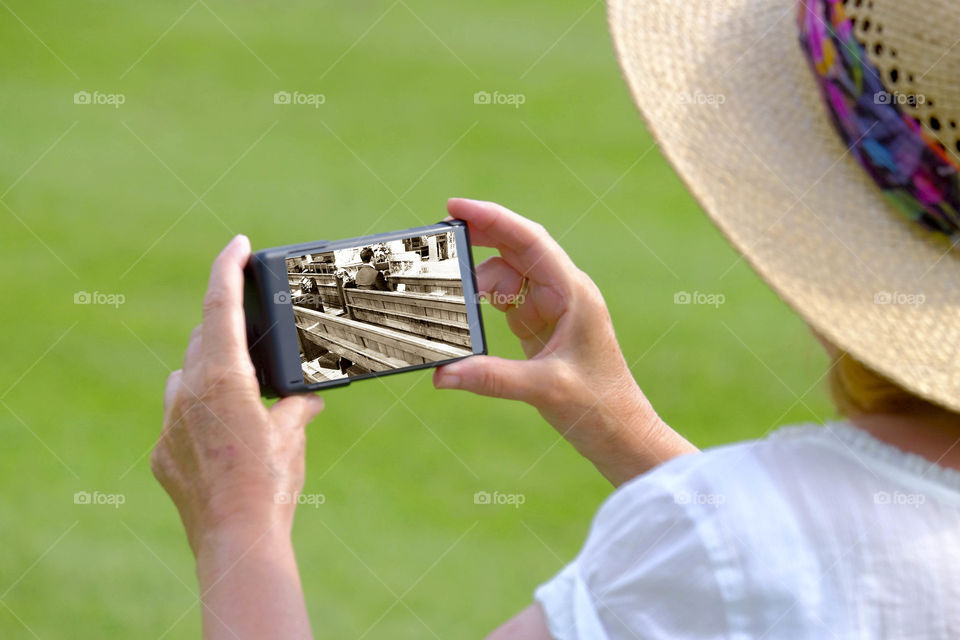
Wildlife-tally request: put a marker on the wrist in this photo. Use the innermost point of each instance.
(220, 548)
(238, 512)
(612, 424)
(249, 581)
(636, 439)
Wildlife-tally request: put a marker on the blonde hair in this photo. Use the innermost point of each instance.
(857, 389)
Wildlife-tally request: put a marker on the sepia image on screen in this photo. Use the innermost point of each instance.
(378, 307)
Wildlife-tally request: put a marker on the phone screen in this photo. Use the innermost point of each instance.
(378, 307)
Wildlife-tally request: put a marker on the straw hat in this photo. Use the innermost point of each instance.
(730, 95)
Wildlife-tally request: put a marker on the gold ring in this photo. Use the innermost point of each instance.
(522, 294)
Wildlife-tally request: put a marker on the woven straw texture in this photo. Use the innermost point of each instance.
(727, 93)
(910, 44)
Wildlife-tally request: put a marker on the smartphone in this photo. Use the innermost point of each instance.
(323, 314)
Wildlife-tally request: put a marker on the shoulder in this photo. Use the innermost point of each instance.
(685, 511)
(688, 548)
(704, 485)
(743, 504)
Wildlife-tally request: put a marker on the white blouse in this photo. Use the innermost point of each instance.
(813, 532)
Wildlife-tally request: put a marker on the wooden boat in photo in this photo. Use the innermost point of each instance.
(372, 346)
(427, 284)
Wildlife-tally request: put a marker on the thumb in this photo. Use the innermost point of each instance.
(525, 380)
(298, 410)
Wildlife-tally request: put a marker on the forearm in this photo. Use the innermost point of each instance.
(250, 586)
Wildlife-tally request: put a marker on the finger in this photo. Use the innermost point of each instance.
(496, 377)
(525, 244)
(498, 282)
(224, 340)
(297, 411)
(192, 355)
(170, 391)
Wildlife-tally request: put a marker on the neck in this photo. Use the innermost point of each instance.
(933, 435)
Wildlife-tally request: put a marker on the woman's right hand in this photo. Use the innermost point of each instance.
(575, 373)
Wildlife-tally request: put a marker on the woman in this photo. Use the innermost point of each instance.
(806, 155)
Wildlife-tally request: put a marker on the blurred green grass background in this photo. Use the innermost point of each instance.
(138, 199)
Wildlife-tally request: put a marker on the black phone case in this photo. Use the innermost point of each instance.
(271, 331)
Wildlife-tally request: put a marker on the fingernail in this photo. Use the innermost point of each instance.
(316, 402)
(448, 381)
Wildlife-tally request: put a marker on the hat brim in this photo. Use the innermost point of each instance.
(727, 93)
